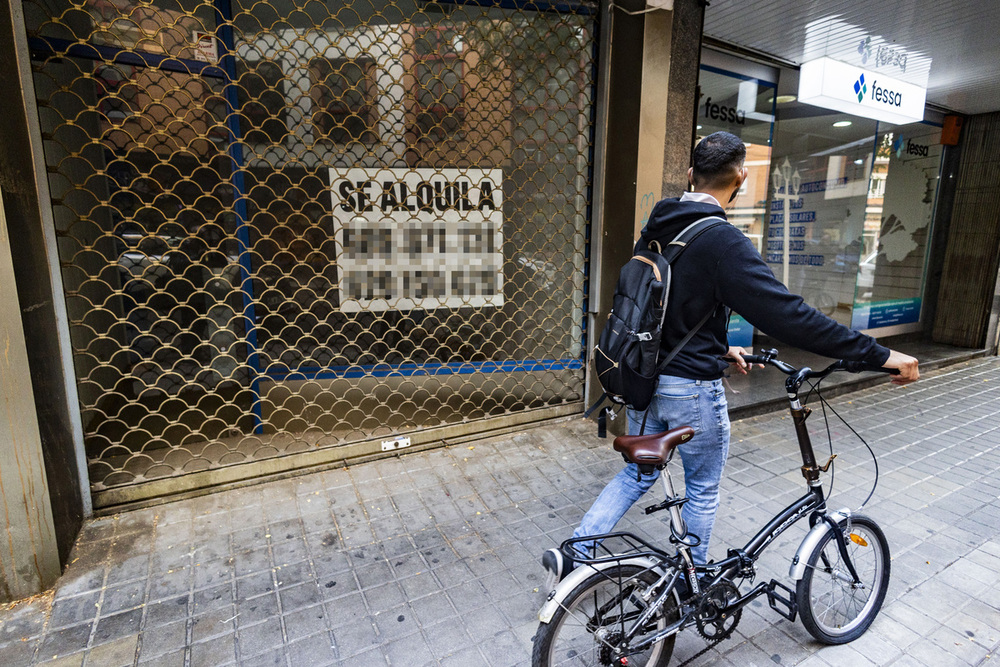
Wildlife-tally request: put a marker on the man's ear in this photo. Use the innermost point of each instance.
(691, 176)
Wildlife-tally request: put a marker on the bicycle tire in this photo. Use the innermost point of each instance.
(832, 609)
(566, 639)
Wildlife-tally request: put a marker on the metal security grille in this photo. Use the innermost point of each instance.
(293, 232)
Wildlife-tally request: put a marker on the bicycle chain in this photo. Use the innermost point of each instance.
(713, 642)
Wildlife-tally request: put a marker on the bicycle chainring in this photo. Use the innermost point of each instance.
(713, 624)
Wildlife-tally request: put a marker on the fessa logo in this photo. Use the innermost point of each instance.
(860, 88)
(724, 113)
(879, 94)
(901, 145)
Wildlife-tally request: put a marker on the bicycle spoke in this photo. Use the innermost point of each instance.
(593, 629)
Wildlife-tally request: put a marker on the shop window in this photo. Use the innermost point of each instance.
(891, 271)
(118, 92)
(344, 99)
(440, 94)
(261, 99)
(744, 106)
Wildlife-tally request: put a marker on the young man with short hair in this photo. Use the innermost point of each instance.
(720, 271)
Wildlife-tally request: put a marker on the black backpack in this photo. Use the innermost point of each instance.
(627, 354)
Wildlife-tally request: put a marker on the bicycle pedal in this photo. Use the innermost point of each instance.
(785, 605)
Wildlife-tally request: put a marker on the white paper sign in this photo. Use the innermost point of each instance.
(205, 47)
(418, 238)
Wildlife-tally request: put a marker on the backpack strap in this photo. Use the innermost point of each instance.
(689, 234)
(675, 248)
(684, 341)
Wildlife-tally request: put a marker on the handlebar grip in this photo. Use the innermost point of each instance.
(754, 359)
(861, 367)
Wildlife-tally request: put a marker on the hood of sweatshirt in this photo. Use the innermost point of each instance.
(670, 216)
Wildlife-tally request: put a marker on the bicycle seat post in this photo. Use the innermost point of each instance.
(678, 527)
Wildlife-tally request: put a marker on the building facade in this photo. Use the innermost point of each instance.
(252, 239)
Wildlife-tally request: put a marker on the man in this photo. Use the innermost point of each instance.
(720, 271)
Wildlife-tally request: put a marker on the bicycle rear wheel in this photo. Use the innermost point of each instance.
(588, 627)
(834, 610)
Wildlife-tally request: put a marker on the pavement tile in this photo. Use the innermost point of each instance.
(463, 658)
(117, 653)
(410, 650)
(163, 639)
(318, 651)
(432, 608)
(163, 612)
(117, 625)
(18, 652)
(931, 654)
(395, 623)
(212, 624)
(122, 597)
(449, 540)
(259, 638)
(220, 651)
(68, 611)
(256, 609)
(74, 660)
(65, 641)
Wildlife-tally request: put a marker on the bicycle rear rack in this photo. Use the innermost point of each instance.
(610, 547)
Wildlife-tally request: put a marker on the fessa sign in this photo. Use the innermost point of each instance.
(831, 84)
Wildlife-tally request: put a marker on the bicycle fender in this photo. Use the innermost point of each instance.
(811, 540)
(562, 590)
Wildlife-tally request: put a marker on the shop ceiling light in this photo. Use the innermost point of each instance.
(842, 123)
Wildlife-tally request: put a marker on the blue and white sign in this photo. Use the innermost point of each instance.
(885, 313)
(831, 84)
(740, 332)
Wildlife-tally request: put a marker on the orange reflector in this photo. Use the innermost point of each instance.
(857, 539)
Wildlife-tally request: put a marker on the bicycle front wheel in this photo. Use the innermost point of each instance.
(588, 629)
(834, 609)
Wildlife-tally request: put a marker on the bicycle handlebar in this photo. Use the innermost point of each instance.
(769, 357)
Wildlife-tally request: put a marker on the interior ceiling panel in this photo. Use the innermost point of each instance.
(960, 37)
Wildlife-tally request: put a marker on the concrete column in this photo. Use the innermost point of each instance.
(29, 556)
(652, 113)
(36, 298)
(646, 105)
(968, 297)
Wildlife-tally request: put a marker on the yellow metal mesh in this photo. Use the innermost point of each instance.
(289, 226)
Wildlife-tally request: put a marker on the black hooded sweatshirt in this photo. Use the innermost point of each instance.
(722, 270)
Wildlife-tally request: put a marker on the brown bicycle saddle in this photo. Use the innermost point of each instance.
(653, 449)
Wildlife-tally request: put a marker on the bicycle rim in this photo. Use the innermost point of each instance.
(839, 607)
(591, 627)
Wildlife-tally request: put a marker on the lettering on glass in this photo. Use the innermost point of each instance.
(418, 238)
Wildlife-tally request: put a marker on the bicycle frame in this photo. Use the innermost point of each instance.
(813, 502)
(739, 563)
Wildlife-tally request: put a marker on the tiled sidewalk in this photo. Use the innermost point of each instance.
(432, 558)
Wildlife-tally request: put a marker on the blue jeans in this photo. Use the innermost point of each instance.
(702, 405)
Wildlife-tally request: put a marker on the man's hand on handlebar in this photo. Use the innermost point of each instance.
(735, 358)
(905, 364)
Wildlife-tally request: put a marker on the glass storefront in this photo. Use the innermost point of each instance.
(839, 206)
(744, 105)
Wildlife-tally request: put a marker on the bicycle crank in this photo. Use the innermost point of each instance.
(713, 622)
